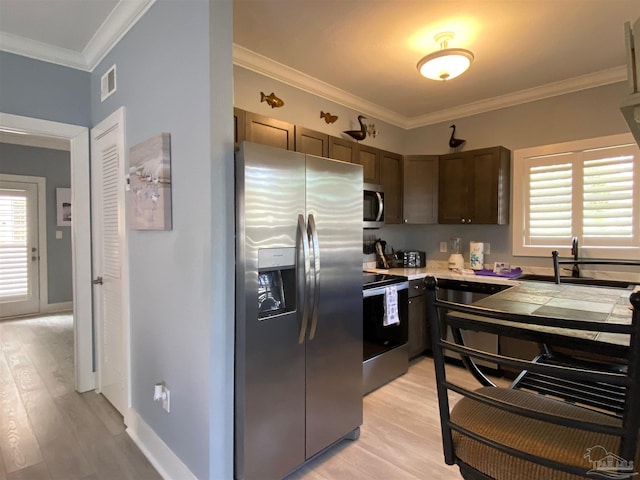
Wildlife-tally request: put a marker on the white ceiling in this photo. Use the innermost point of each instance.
(363, 53)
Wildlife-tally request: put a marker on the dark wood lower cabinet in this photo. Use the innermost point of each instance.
(419, 337)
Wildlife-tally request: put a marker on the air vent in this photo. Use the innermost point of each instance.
(108, 84)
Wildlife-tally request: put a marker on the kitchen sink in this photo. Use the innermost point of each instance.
(578, 280)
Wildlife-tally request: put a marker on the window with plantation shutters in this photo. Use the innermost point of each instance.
(14, 252)
(588, 189)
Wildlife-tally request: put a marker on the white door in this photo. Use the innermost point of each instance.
(109, 258)
(19, 249)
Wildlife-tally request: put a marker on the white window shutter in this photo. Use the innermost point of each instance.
(14, 249)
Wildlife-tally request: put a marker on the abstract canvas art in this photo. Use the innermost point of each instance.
(150, 184)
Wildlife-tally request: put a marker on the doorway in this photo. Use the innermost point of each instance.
(20, 201)
(78, 138)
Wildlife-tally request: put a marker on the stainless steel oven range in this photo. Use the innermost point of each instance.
(385, 350)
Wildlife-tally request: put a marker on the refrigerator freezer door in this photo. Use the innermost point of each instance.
(270, 363)
(334, 354)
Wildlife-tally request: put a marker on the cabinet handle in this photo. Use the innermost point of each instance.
(463, 220)
(409, 302)
(469, 220)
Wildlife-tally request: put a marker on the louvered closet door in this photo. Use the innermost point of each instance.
(19, 252)
(107, 175)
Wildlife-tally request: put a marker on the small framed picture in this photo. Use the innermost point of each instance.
(501, 267)
(63, 204)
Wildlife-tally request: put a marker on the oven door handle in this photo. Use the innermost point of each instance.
(372, 292)
(304, 279)
(315, 251)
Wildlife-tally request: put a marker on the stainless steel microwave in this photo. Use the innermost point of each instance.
(373, 206)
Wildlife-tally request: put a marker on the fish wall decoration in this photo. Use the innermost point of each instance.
(328, 117)
(272, 100)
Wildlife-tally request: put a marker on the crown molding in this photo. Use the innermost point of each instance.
(576, 84)
(121, 19)
(260, 64)
(124, 16)
(255, 62)
(42, 51)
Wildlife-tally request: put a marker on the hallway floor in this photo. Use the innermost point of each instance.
(47, 429)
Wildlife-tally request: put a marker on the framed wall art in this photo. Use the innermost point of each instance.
(150, 184)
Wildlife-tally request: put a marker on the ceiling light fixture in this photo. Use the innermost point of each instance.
(446, 63)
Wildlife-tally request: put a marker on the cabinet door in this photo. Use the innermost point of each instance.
(420, 186)
(268, 131)
(369, 158)
(453, 188)
(344, 150)
(238, 126)
(312, 142)
(418, 330)
(391, 181)
(489, 186)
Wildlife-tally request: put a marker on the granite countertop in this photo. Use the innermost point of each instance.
(445, 273)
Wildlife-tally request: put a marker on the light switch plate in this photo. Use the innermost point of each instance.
(58, 234)
(487, 248)
(443, 247)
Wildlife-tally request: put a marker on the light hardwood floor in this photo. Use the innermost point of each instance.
(47, 430)
(400, 436)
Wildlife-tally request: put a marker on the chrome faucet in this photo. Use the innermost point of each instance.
(575, 271)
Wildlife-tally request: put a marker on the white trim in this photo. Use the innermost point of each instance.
(163, 459)
(57, 307)
(518, 199)
(563, 87)
(43, 279)
(255, 62)
(80, 235)
(121, 19)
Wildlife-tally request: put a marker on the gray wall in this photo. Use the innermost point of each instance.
(32, 88)
(55, 166)
(181, 299)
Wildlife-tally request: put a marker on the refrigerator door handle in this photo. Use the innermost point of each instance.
(304, 280)
(316, 275)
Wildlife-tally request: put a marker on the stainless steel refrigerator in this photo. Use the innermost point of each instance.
(298, 361)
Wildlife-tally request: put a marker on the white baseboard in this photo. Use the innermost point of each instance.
(57, 307)
(168, 465)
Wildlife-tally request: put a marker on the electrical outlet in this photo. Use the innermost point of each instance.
(487, 248)
(443, 247)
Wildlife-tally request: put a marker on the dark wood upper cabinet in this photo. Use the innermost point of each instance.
(312, 142)
(391, 181)
(420, 189)
(369, 158)
(268, 131)
(239, 119)
(340, 149)
(474, 187)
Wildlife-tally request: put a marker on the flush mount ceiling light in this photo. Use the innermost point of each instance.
(446, 63)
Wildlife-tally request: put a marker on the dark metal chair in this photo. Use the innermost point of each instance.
(507, 434)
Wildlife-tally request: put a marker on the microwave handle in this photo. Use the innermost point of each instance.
(380, 206)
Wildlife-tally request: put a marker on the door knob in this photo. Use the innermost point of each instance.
(97, 281)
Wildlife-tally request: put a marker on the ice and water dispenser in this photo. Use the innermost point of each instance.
(276, 281)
